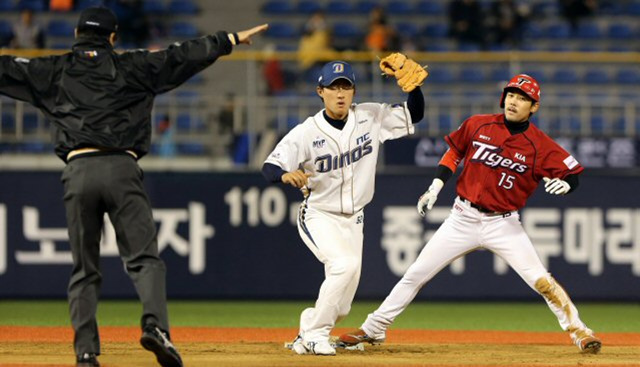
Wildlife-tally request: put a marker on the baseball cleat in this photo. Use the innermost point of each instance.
(158, 341)
(359, 336)
(87, 360)
(321, 348)
(586, 341)
(298, 347)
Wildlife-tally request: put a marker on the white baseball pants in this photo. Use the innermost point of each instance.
(467, 229)
(335, 240)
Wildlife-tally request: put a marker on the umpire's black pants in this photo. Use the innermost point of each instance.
(98, 184)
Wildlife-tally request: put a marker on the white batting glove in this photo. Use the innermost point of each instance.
(556, 186)
(430, 196)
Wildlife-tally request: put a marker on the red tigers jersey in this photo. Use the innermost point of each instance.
(502, 170)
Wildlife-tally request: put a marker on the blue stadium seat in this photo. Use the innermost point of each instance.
(471, 74)
(558, 31)
(468, 47)
(590, 47)
(407, 29)
(6, 5)
(337, 7)
(430, 7)
(185, 122)
(153, 7)
(196, 79)
(191, 149)
(278, 7)
(445, 122)
(564, 76)
(596, 76)
(559, 47)
(537, 74)
(633, 8)
(620, 31)
(546, 8)
(83, 4)
(61, 45)
(628, 76)
(398, 7)
(60, 28)
(588, 30)
(34, 5)
(29, 122)
(501, 74)
(437, 47)
(364, 6)
(182, 7)
(533, 31)
(346, 30)
(282, 30)
(308, 7)
(597, 124)
(183, 30)
(5, 30)
(619, 48)
(436, 30)
(33, 147)
(440, 75)
(8, 122)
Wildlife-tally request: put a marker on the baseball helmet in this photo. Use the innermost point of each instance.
(526, 84)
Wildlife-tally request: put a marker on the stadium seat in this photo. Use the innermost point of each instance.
(619, 48)
(407, 29)
(196, 79)
(596, 76)
(437, 47)
(29, 122)
(398, 7)
(83, 4)
(633, 8)
(186, 122)
(308, 7)
(60, 28)
(182, 7)
(620, 31)
(558, 31)
(346, 30)
(364, 6)
(588, 30)
(278, 7)
(436, 30)
(628, 76)
(564, 76)
(468, 47)
(501, 74)
(8, 122)
(430, 7)
(337, 7)
(597, 124)
(445, 122)
(183, 30)
(5, 30)
(6, 5)
(153, 7)
(34, 5)
(282, 30)
(440, 75)
(191, 149)
(471, 74)
(533, 31)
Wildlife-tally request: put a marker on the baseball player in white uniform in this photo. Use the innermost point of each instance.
(505, 158)
(332, 156)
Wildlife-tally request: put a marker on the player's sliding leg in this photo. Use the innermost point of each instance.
(509, 240)
(453, 239)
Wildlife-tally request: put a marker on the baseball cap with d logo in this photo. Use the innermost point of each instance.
(335, 70)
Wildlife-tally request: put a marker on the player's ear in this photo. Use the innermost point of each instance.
(320, 92)
(534, 107)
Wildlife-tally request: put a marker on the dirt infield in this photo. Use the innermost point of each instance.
(51, 346)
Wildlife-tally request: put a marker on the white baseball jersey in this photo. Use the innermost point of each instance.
(343, 162)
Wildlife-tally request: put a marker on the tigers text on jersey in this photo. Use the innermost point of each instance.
(343, 162)
(502, 170)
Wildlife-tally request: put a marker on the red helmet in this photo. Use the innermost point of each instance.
(524, 83)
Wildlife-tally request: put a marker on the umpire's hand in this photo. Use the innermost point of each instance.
(245, 36)
(297, 178)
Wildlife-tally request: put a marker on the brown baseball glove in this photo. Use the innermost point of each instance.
(407, 72)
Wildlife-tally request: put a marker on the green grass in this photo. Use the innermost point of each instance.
(609, 317)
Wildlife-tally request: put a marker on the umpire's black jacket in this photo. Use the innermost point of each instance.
(98, 98)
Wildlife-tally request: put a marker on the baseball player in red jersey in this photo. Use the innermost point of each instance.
(505, 159)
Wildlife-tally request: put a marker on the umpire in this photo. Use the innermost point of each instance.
(100, 102)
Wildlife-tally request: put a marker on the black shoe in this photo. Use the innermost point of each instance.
(159, 342)
(87, 360)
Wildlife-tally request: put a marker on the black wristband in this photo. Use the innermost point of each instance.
(236, 40)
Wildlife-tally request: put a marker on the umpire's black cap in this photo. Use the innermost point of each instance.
(100, 18)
